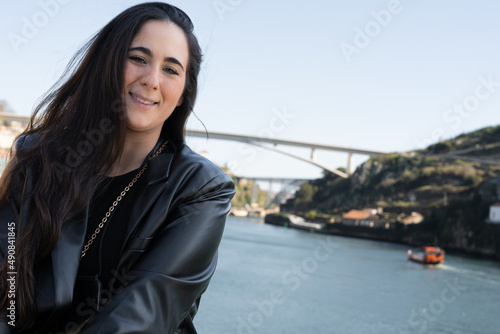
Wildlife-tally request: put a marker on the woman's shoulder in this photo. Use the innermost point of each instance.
(26, 142)
(193, 164)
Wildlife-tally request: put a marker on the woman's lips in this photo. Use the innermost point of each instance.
(142, 100)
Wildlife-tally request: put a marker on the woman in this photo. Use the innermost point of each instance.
(109, 222)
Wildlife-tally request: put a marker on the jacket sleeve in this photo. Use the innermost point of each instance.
(171, 275)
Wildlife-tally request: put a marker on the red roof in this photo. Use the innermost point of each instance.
(356, 214)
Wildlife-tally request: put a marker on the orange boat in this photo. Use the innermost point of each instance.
(427, 255)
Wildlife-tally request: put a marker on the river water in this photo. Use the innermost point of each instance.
(276, 280)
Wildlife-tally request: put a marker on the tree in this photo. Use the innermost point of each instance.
(305, 194)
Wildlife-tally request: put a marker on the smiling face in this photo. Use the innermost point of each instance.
(154, 76)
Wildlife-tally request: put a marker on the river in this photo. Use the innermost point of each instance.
(276, 280)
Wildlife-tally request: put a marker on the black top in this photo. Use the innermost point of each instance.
(103, 255)
(101, 260)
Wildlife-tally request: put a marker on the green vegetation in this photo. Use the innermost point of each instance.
(480, 142)
(243, 196)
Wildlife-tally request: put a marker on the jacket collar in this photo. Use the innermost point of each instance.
(159, 168)
(156, 176)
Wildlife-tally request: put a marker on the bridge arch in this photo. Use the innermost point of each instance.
(261, 141)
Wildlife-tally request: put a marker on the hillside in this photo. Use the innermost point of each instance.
(452, 183)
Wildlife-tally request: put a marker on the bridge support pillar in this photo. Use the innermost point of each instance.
(349, 164)
(254, 201)
(313, 154)
(269, 193)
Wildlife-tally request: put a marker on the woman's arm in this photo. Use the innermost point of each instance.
(175, 269)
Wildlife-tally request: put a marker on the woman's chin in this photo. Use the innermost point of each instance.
(138, 126)
(143, 129)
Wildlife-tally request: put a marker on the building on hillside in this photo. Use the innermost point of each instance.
(366, 218)
(494, 214)
(353, 217)
(413, 218)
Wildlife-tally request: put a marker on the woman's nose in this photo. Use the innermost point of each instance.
(150, 79)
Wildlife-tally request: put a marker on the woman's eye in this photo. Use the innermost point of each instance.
(137, 59)
(170, 70)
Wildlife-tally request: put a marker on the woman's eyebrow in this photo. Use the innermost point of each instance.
(143, 50)
(173, 60)
(150, 54)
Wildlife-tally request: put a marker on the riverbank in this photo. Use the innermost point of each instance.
(409, 235)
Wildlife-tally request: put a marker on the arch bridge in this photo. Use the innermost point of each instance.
(261, 142)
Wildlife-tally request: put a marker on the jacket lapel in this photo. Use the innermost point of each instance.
(66, 257)
(156, 177)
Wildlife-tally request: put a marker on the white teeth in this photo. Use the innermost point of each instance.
(141, 100)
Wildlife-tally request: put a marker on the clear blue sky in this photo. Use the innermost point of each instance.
(342, 77)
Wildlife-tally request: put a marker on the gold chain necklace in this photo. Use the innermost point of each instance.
(116, 202)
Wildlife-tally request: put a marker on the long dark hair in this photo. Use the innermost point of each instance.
(79, 130)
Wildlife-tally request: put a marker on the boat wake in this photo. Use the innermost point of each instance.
(492, 277)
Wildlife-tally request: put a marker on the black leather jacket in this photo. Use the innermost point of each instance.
(168, 258)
